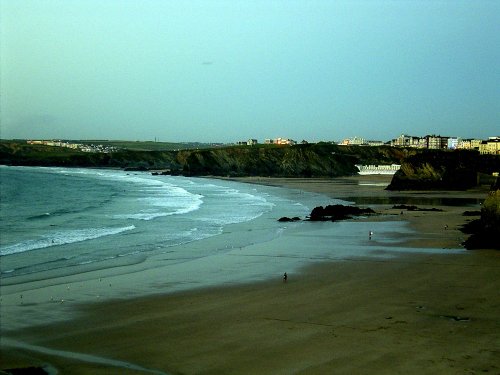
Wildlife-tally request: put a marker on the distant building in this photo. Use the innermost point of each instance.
(280, 141)
(409, 141)
(354, 141)
(433, 142)
(452, 143)
(436, 142)
(475, 143)
(74, 146)
(464, 144)
(375, 143)
(491, 146)
(378, 169)
(285, 141)
(469, 144)
(402, 141)
(249, 142)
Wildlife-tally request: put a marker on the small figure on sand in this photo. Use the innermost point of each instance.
(285, 277)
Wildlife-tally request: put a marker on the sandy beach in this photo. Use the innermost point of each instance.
(432, 313)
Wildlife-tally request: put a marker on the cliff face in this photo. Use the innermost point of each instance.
(305, 161)
(17, 153)
(445, 170)
(490, 211)
(310, 160)
(419, 170)
(484, 232)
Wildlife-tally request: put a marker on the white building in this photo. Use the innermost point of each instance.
(378, 169)
(452, 143)
(354, 141)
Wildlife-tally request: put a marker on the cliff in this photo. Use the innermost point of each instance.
(420, 169)
(445, 170)
(302, 160)
(308, 160)
(484, 231)
(17, 153)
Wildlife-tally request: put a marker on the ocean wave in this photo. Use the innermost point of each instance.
(249, 206)
(164, 205)
(63, 211)
(190, 203)
(230, 218)
(194, 234)
(141, 215)
(245, 198)
(62, 238)
(158, 198)
(176, 209)
(45, 215)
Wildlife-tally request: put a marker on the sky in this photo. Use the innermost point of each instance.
(224, 71)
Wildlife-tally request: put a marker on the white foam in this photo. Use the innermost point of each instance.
(193, 234)
(63, 238)
(165, 205)
(163, 199)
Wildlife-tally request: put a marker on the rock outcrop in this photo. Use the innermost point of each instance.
(286, 219)
(337, 212)
(445, 170)
(485, 231)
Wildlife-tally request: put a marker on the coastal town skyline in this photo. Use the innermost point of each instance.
(219, 71)
(491, 145)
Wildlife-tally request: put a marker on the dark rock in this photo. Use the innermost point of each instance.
(484, 231)
(474, 226)
(471, 213)
(287, 219)
(337, 212)
(415, 208)
(482, 240)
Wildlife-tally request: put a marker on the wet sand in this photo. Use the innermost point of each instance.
(369, 191)
(412, 314)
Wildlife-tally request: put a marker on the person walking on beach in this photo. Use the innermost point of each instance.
(285, 277)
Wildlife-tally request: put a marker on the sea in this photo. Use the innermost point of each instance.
(78, 219)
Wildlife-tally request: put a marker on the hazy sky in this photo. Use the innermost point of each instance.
(229, 70)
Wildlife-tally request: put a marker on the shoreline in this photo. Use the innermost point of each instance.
(369, 191)
(414, 313)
